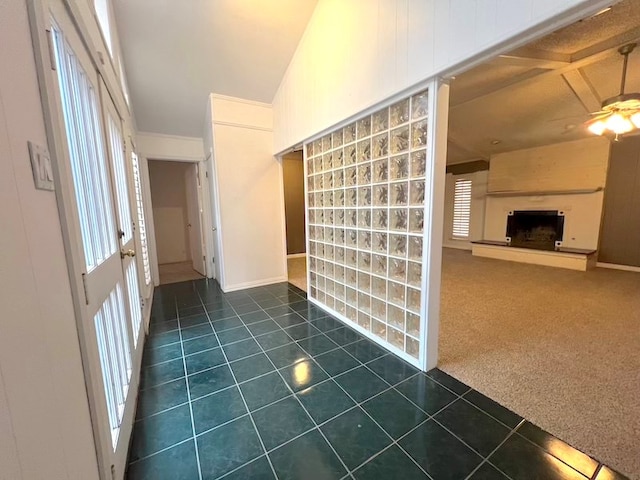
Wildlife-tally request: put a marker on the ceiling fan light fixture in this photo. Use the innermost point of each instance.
(597, 127)
(619, 114)
(619, 124)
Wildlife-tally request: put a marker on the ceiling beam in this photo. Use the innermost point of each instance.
(478, 93)
(583, 89)
(611, 43)
(532, 58)
(580, 59)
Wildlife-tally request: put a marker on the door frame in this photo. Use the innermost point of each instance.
(39, 14)
(196, 238)
(211, 224)
(438, 131)
(204, 201)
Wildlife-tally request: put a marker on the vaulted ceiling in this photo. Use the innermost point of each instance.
(543, 93)
(177, 52)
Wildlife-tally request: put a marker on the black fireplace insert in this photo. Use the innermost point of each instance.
(537, 229)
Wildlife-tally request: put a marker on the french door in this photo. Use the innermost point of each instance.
(103, 238)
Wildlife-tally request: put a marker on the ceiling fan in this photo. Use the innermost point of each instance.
(619, 114)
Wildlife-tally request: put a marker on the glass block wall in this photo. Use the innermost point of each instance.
(365, 209)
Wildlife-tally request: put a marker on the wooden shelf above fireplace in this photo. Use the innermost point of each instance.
(538, 193)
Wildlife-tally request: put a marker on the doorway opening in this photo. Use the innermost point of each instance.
(533, 202)
(294, 206)
(176, 199)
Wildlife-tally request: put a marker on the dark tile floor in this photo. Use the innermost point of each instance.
(259, 384)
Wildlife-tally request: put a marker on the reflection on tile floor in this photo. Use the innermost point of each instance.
(259, 384)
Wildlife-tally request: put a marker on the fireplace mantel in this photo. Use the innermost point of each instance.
(540, 193)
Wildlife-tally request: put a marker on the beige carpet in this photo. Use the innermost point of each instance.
(561, 348)
(177, 272)
(297, 268)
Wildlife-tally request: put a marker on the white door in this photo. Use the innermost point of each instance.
(194, 221)
(99, 221)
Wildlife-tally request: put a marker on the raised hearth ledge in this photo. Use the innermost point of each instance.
(572, 259)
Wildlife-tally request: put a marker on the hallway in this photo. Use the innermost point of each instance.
(259, 384)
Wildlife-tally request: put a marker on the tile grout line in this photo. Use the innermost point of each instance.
(193, 427)
(294, 393)
(356, 403)
(526, 439)
(162, 450)
(359, 404)
(340, 346)
(237, 385)
(349, 471)
(597, 472)
(227, 344)
(486, 459)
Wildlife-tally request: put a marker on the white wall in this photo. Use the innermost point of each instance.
(43, 400)
(170, 214)
(356, 53)
(478, 196)
(566, 166)
(155, 146)
(249, 196)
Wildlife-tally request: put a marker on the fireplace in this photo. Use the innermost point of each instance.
(537, 229)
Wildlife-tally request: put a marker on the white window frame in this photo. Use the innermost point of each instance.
(462, 200)
(103, 15)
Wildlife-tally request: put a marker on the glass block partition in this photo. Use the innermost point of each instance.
(365, 209)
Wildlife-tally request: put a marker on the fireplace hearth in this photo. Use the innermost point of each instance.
(535, 229)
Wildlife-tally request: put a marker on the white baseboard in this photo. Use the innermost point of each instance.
(615, 266)
(297, 255)
(256, 283)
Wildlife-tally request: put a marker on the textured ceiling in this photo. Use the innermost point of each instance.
(622, 17)
(177, 52)
(524, 106)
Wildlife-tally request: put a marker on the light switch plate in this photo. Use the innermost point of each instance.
(41, 166)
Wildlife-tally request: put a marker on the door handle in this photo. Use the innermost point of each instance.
(128, 253)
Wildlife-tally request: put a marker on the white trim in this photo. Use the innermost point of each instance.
(307, 242)
(401, 95)
(283, 216)
(175, 148)
(151, 226)
(296, 255)
(562, 19)
(243, 125)
(615, 266)
(214, 193)
(240, 100)
(204, 203)
(172, 158)
(257, 283)
(166, 135)
(438, 118)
